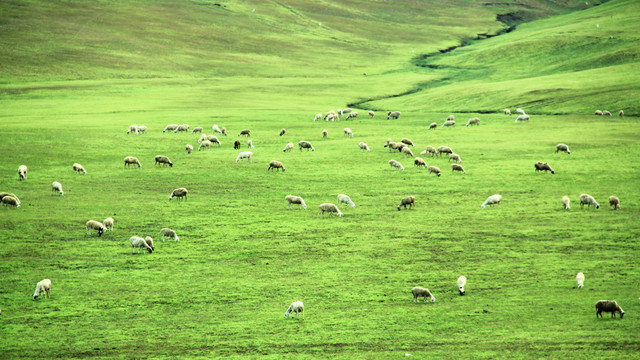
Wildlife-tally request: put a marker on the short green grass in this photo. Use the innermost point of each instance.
(243, 257)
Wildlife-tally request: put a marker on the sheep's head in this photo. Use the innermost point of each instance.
(461, 289)
(61, 193)
(482, 206)
(433, 299)
(150, 250)
(170, 164)
(621, 313)
(100, 232)
(597, 206)
(35, 296)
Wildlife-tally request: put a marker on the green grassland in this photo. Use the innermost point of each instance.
(74, 76)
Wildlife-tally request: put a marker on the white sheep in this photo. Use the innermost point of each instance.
(407, 200)
(340, 112)
(79, 169)
(317, 117)
(580, 280)
(183, 127)
(614, 202)
(170, 128)
(141, 130)
(449, 123)
(224, 131)
(345, 111)
(419, 162)
(288, 147)
(621, 113)
(405, 150)
(108, 224)
(244, 155)
(372, 113)
(473, 121)
(457, 167)
(563, 147)
(22, 172)
(204, 145)
(305, 145)
(203, 137)
(433, 169)
(451, 118)
(43, 286)
(363, 146)
(250, 144)
(606, 113)
(216, 129)
(214, 139)
(589, 200)
(422, 292)
(520, 111)
(345, 200)
(295, 307)
(455, 157)
(395, 145)
(180, 193)
(598, 112)
(433, 125)
(507, 111)
(522, 118)
(140, 243)
(431, 151)
(348, 132)
(11, 200)
(292, 199)
(566, 203)
(462, 281)
(188, 148)
(169, 234)
(94, 225)
(331, 208)
(274, 164)
(407, 142)
(56, 188)
(331, 117)
(395, 164)
(161, 159)
(132, 160)
(444, 150)
(492, 200)
(197, 129)
(324, 133)
(352, 115)
(132, 128)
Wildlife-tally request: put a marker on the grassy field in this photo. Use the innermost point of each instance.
(243, 257)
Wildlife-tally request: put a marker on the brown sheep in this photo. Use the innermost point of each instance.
(614, 202)
(236, 144)
(408, 200)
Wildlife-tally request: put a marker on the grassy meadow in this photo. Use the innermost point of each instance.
(74, 76)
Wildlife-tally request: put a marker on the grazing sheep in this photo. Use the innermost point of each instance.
(188, 148)
(205, 144)
(621, 113)
(79, 169)
(132, 160)
(214, 139)
(363, 146)
(11, 200)
(345, 111)
(462, 281)
(197, 129)
(395, 164)
(169, 234)
(133, 128)
(292, 199)
(170, 128)
(419, 292)
(407, 200)
(451, 118)
(183, 127)
(473, 121)
(449, 123)
(274, 164)
(108, 224)
(455, 157)
(372, 113)
(520, 111)
(216, 129)
(95, 225)
(224, 131)
(608, 306)
(394, 146)
(331, 208)
(141, 129)
(606, 113)
(179, 193)
(598, 112)
(333, 117)
(522, 118)
(456, 167)
(563, 147)
(203, 137)
(346, 200)
(149, 241)
(324, 133)
(295, 307)
(393, 115)
(3, 194)
(589, 200)
(22, 172)
(419, 162)
(329, 115)
(283, 131)
(444, 150)
(288, 147)
(352, 115)
(43, 286)
(492, 200)
(317, 117)
(433, 169)
(405, 150)
(614, 202)
(250, 144)
(161, 159)
(244, 155)
(507, 111)
(566, 203)
(433, 125)
(236, 145)
(340, 113)
(348, 132)
(305, 145)
(138, 242)
(430, 150)
(580, 280)
(540, 166)
(56, 188)
(407, 142)
(245, 132)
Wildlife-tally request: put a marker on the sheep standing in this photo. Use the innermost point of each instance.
(520, 111)
(205, 145)
(274, 164)
(214, 139)
(292, 199)
(245, 132)
(170, 128)
(455, 157)
(108, 224)
(348, 132)
(395, 164)
(250, 144)
(433, 126)
(216, 129)
(317, 117)
(444, 150)
(419, 292)
(606, 113)
(305, 145)
(95, 225)
(183, 127)
(462, 281)
(393, 115)
(621, 113)
(580, 280)
(295, 307)
(566, 202)
(407, 200)
(324, 133)
(43, 286)
(132, 160)
(203, 137)
(433, 169)
(614, 202)
(244, 155)
(507, 111)
(405, 150)
(56, 188)
(188, 148)
(79, 169)
(598, 112)
(394, 146)
(22, 172)
(419, 162)
(363, 146)
(179, 193)
(522, 118)
(169, 234)
(588, 200)
(563, 147)
(451, 118)
(236, 145)
(197, 129)
(457, 167)
(12, 201)
(163, 160)
(608, 306)
(540, 166)
(345, 200)
(224, 131)
(372, 114)
(283, 131)
(492, 200)
(352, 115)
(149, 241)
(141, 129)
(132, 128)
(473, 121)
(449, 123)
(288, 147)
(407, 142)
(431, 151)
(140, 243)
(330, 208)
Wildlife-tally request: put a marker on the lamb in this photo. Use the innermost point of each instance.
(444, 150)
(188, 148)
(224, 131)
(363, 146)
(11, 200)
(138, 242)
(183, 127)
(131, 160)
(614, 202)
(197, 129)
(372, 114)
(598, 112)
(566, 202)
(141, 129)
(179, 193)
(431, 151)
(331, 208)
(79, 169)
(250, 144)
(214, 139)
(169, 234)
(245, 132)
(580, 280)
(407, 200)
(292, 199)
(433, 169)
(56, 187)
(407, 142)
(393, 115)
(305, 145)
(606, 113)
(161, 159)
(462, 281)
(244, 155)
(43, 286)
(621, 113)
(451, 118)
(522, 118)
(288, 147)
(95, 225)
(324, 133)
(455, 157)
(352, 115)
(520, 111)
(456, 167)
(348, 132)
(419, 162)
(295, 307)
(346, 200)
(492, 200)
(205, 144)
(507, 111)
(405, 150)
(216, 129)
(540, 166)
(170, 128)
(108, 224)
(317, 117)
(608, 306)
(449, 123)
(274, 164)
(563, 147)
(132, 128)
(421, 292)
(395, 164)
(283, 131)
(589, 200)
(236, 145)
(22, 172)
(433, 125)
(473, 121)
